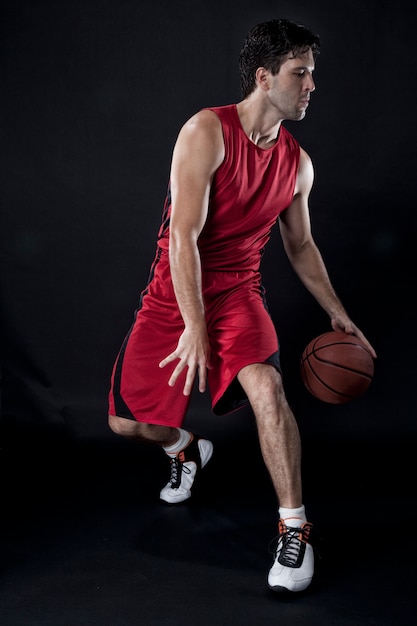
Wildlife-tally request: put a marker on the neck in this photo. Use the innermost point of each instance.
(259, 123)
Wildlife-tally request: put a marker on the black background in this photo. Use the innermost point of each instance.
(93, 95)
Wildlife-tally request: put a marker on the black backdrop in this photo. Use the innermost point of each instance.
(93, 94)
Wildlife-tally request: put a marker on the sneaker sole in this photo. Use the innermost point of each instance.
(281, 589)
(278, 589)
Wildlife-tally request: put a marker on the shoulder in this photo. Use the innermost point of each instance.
(200, 142)
(201, 137)
(305, 161)
(305, 176)
(202, 123)
(305, 168)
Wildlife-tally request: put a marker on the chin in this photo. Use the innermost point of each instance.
(300, 116)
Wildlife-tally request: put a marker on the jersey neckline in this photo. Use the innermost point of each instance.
(239, 123)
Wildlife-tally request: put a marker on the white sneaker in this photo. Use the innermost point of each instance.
(184, 467)
(293, 566)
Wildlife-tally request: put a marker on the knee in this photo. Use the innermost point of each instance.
(262, 381)
(140, 431)
(121, 425)
(114, 424)
(265, 389)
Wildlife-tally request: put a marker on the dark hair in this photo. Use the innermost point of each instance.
(267, 43)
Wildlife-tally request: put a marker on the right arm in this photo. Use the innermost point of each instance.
(198, 152)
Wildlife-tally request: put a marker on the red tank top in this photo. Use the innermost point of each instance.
(249, 190)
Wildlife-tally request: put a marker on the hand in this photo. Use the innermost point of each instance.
(344, 324)
(193, 351)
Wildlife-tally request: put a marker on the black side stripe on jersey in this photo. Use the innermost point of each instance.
(122, 410)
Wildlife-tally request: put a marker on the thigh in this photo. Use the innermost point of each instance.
(241, 333)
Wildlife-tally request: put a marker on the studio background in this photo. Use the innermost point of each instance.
(93, 95)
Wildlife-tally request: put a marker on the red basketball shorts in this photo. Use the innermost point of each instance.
(240, 329)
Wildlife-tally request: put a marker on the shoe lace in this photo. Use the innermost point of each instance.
(177, 467)
(290, 543)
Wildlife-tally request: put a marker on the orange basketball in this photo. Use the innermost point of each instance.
(336, 367)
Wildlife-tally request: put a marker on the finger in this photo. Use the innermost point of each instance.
(175, 374)
(189, 381)
(168, 359)
(202, 378)
(368, 345)
(362, 337)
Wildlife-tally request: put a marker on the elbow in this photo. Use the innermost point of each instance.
(182, 248)
(294, 248)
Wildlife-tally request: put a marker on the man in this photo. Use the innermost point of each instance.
(235, 171)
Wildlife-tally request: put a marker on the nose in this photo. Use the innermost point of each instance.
(310, 83)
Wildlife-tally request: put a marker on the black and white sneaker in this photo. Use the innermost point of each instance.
(293, 566)
(184, 467)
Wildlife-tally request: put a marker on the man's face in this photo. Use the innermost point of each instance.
(291, 88)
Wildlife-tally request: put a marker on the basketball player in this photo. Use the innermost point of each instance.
(235, 171)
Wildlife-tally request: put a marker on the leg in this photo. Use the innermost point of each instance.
(188, 454)
(140, 386)
(293, 565)
(278, 431)
(164, 436)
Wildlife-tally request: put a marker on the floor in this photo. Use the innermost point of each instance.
(85, 539)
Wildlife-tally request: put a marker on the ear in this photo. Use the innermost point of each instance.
(263, 76)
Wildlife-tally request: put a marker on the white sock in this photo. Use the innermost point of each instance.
(292, 517)
(183, 441)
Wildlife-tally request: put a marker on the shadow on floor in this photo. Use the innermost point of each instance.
(85, 539)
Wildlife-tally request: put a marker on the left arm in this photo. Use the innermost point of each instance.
(305, 257)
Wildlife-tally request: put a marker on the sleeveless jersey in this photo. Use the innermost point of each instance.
(250, 189)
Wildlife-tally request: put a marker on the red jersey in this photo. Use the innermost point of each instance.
(249, 190)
